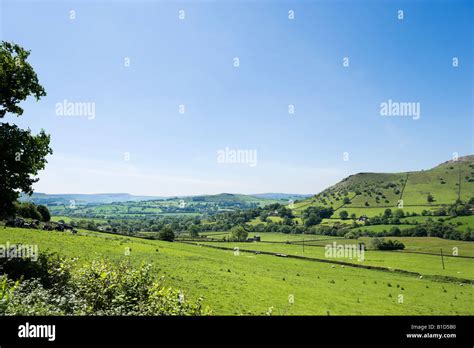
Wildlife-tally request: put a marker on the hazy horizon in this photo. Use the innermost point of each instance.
(223, 192)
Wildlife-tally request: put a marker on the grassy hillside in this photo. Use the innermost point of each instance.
(372, 193)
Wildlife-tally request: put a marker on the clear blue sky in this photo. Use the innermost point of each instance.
(282, 62)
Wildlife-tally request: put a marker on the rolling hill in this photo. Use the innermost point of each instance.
(97, 198)
(372, 193)
(128, 206)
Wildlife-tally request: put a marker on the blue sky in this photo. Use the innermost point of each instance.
(190, 62)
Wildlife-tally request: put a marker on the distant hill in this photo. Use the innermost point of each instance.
(106, 198)
(80, 199)
(282, 196)
(128, 206)
(372, 193)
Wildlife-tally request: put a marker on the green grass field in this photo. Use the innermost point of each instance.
(413, 244)
(380, 228)
(421, 263)
(270, 236)
(374, 211)
(421, 219)
(68, 219)
(235, 284)
(332, 222)
(463, 222)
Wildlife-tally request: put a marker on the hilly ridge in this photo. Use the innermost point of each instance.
(415, 191)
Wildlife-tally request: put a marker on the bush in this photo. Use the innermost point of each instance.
(381, 244)
(350, 235)
(28, 210)
(399, 213)
(44, 211)
(387, 213)
(166, 234)
(344, 215)
(238, 234)
(314, 215)
(96, 288)
(312, 220)
(49, 269)
(395, 231)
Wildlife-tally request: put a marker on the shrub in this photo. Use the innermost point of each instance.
(395, 231)
(96, 288)
(49, 269)
(350, 235)
(166, 234)
(238, 233)
(28, 210)
(381, 244)
(44, 211)
(344, 215)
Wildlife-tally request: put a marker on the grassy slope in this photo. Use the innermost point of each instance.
(382, 190)
(233, 284)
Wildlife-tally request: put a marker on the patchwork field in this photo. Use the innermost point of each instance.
(176, 206)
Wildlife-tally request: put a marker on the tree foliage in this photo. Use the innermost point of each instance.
(166, 234)
(344, 215)
(22, 154)
(18, 80)
(45, 214)
(238, 233)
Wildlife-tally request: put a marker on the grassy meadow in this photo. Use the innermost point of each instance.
(250, 283)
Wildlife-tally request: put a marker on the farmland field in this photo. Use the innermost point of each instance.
(271, 236)
(374, 211)
(464, 222)
(424, 264)
(250, 283)
(431, 245)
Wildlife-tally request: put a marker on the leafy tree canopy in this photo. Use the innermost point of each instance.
(22, 154)
(18, 80)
